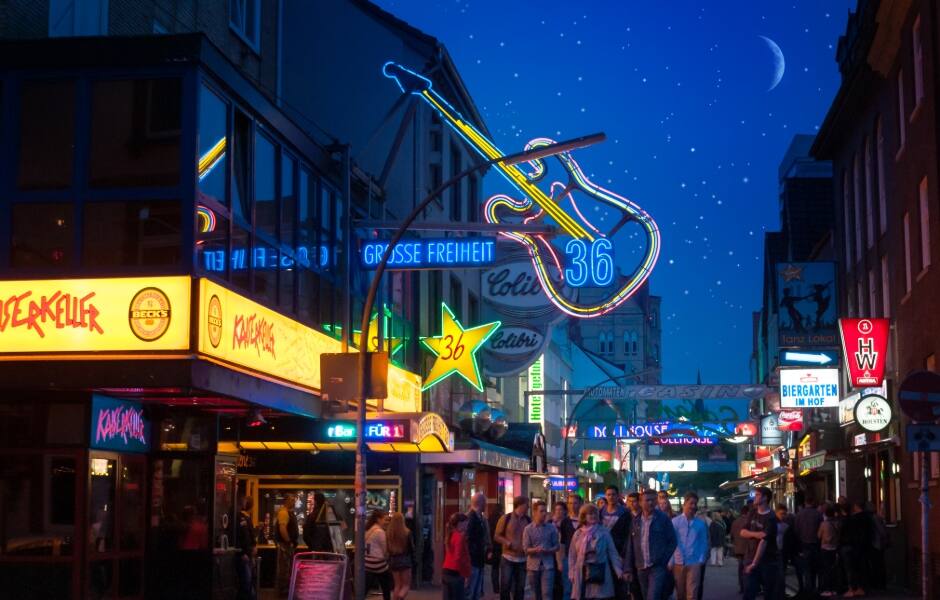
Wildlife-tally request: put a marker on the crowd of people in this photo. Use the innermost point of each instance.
(620, 547)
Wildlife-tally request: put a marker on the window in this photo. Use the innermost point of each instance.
(456, 297)
(264, 177)
(241, 164)
(857, 194)
(924, 225)
(437, 142)
(137, 233)
(436, 281)
(885, 288)
(918, 64)
(135, 133)
(869, 201)
(882, 194)
(43, 235)
(456, 190)
(436, 179)
(287, 233)
(907, 252)
(244, 17)
(902, 115)
(47, 134)
(213, 153)
(847, 223)
(872, 293)
(473, 308)
(78, 18)
(861, 298)
(239, 257)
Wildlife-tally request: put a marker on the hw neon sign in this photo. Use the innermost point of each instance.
(588, 260)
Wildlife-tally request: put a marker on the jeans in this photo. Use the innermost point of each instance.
(384, 582)
(740, 558)
(654, 582)
(828, 559)
(718, 556)
(454, 585)
(853, 560)
(244, 567)
(285, 562)
(561, 590)
(808, 567)
(511, 580)
(688, 580)
(766, 574)
(475, 583)
(540, 582)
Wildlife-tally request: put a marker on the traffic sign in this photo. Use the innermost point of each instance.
(923, 438)
(806, 358)
(919, 396)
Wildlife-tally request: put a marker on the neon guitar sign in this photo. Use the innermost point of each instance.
(585, 258)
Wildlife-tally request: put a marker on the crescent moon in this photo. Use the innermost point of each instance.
(780, 64)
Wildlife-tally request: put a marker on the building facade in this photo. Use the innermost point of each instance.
(882, 138)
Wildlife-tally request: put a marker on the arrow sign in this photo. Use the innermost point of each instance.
(923, 438)
(795, 358)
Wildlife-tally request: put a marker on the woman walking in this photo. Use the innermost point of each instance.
(593, 562)
(376, 557)
(400, 552)
(456, 568)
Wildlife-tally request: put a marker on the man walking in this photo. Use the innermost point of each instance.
(617, 520)
(652, 545)
(807, 525)
(561, 521)
(478, 543)
(739, 544)
(716, 534)
(512, 567)
(691, 549)
(762, 560)
(540, 540)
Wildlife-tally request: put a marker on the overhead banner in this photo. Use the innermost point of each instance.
(806, 302)
(809, 388)
(865, 346)
(87, 316)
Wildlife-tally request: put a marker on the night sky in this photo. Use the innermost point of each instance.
(694, 135)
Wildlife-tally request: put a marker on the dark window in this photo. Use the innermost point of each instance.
(436, 179)
(308, 227)
(436, 140)
(135, 133)
(47, 134)
(38, 495)
(308, 296)
(456, 297)
(436, 281)
(329, 300)
(241, 163)
(473, 200)
(456, 190)
(42, 235)
(288, 201)
(328, 241)
(473, 309)
(213, 150)
(265, 260)
(212, 244)
(240, 262)
(265, 202)
(244, 17)
(132, 233)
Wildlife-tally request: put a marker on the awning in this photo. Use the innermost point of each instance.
(385, 432)
(483, 453)
(858, 451)
(755, 480)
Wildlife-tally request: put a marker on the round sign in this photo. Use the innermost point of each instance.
(919, 396)
(214, 321)
(149, 314)
(873, 413)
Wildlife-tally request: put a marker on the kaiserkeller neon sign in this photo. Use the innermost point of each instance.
(586, 256)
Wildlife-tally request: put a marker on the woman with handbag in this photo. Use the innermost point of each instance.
(400, 548)
(593, 561)
(376, 557)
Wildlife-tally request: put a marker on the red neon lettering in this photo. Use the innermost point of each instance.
(254, 332)
(125, 423)
(60, 309)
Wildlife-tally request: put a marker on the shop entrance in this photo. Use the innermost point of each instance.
(114, 561)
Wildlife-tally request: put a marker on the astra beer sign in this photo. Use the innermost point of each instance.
(133, 314)
(865, 345)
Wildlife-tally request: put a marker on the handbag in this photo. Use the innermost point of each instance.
(594, 571)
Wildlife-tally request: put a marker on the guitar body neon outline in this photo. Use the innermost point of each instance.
(536, 205)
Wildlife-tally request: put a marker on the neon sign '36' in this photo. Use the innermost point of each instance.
(592, 264)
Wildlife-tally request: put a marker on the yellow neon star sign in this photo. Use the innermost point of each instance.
(456, 350)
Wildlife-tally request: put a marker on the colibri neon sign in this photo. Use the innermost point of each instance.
(430, 253)
(584, 255)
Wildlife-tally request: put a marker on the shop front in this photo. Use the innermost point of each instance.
(127, 415)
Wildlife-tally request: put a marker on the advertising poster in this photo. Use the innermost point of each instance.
(806, 304)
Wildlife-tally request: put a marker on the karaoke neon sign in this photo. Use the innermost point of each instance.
(585, 254)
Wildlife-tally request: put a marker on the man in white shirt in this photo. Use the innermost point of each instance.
(691, 549)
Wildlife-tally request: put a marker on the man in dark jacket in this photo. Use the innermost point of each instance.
(617, 519)
(651, 546)
(478, 543)
(247, 544)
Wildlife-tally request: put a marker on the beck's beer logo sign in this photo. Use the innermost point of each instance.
(149, 314)
(865, 346)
